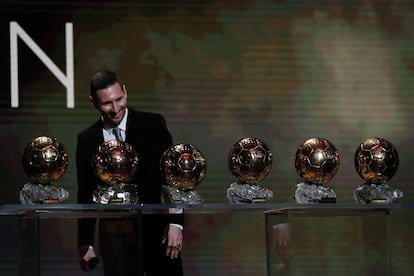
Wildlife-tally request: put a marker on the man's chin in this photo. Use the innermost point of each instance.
(112, 123)
(116, 122)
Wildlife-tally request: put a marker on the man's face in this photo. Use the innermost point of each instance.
(111, 103)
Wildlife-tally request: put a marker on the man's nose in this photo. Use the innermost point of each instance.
(115, 107)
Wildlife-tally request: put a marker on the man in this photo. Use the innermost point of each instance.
(118, 238)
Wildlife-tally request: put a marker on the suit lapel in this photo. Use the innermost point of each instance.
(132, 136)
(97, 138)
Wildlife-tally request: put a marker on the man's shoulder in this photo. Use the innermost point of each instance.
(145, 115)
(153, 123)
(90, 130)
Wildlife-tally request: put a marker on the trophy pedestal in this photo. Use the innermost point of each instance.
(37, 193)
(178, 196)
(248, 193)
(376, 193)
(122, 193)
(314, 193)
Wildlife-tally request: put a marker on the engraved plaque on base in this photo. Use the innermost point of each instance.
(316, 162)
(314, 193)
(183, 168)
(116, 163)
(45, 160)
(250, 161)
(376, 194)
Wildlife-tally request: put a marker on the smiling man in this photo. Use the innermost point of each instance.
(118, 238)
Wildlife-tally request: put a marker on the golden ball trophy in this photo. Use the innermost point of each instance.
(376, 162)
(116, 163)
(250, 161)
(183, 167)
(45, 160)
(316, 162)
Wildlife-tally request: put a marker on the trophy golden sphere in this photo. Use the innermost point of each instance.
(317, 160)
(183, 166)
(250, 160)
(116, 162)
(376, 160)
(45, 159)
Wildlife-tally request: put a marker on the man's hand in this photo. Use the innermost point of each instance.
(174, 238)
(87, 258)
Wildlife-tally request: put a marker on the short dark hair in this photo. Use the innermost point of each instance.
(102, 80)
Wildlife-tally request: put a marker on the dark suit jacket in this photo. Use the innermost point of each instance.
(148, 134)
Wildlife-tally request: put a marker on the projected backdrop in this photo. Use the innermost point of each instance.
(282, 71)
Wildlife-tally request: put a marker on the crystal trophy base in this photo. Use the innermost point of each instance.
(314, 193)
(376, 193)
(247, 193)
(174, 195)
(36, 193)
(122, 193)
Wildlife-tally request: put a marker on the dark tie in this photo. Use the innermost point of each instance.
(117, 132)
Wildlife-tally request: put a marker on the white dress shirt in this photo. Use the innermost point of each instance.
(109, 135)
